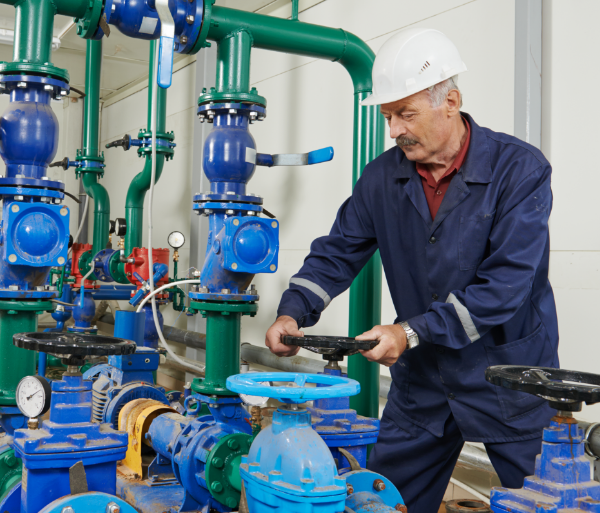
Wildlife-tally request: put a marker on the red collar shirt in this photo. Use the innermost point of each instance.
(435, 191)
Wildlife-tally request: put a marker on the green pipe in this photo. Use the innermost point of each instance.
(134, 203)
(295, 37)
(91, 146)
(365, 292)
(291, 36)
(15, 363)
(222, 352)
(34, 20)
(233, 63)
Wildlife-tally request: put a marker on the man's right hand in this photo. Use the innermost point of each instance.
(284, 325)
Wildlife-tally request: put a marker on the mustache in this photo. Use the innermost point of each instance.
(403, 141)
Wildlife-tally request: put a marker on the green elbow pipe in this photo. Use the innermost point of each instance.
(134, 204)
(289, 36)
(101, 210)
(140, 185)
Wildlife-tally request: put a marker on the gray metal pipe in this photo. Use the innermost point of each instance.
(593, 437)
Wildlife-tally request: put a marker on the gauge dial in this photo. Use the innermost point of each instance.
(120, 226)
(33, 396)
(176, 240)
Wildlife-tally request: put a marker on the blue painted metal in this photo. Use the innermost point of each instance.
(124, 379)
(140, 20)
(562, 482)
(63, 440)
(29, 127)
(150, 333)
(130, 326)
(11, 419)
(160, 271)
(102, 265)
(151, 499)
(308, 159)
(189, 441)
(34, 234)
(11, 503)
(364, 498)
(83, 315)
(91, 502)
(289, 468)
(61, 315)
(119, 294)
(341, 427)
(334, 386)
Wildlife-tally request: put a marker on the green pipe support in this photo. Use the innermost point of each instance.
(134, 203)
(34, 21)
(91, 146)
(228, 27)
(15, 363)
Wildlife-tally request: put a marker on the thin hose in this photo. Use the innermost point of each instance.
(160, 289)
(85, 211)
(82, 289)
(150, 203)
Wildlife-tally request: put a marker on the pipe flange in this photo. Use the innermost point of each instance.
(60, 88)
(45, 70)
(231, 103)
(88, 26)
(229, 197)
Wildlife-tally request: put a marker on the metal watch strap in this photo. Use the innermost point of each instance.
(412, 339)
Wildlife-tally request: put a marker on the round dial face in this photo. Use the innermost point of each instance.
(33, 396)
(176, 240)
(120, 226)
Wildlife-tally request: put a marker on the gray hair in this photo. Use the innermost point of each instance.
(439, 92)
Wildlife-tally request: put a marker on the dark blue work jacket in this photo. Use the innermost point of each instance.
(473, 283)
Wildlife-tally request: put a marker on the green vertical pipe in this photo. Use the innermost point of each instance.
(34, 21)
(134, 203)
(222, 351)
(292, 36)
(365, 292)
(233, 63)
(15, 363)
(91, 145)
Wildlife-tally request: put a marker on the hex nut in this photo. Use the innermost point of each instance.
(379, 485)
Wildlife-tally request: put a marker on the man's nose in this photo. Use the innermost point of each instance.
(397, 128)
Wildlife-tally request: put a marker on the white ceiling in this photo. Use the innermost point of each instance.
(125, 59)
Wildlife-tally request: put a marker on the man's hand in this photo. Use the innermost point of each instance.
(284, 325)
(392, 343)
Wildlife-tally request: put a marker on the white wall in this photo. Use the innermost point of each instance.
(310, 105)
(569, 135)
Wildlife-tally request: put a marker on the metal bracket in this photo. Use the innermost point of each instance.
(295, 159)
(78, 479)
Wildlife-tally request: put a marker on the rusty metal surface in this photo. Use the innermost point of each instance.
(467, 506)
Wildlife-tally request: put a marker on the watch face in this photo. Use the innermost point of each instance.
(33, 396)
(176, 240)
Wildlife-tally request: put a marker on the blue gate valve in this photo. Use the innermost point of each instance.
(166, 45)
(160, 271)
(295, 159)
(289, 467)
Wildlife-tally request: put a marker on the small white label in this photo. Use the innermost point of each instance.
(148, 25)
(250, 155)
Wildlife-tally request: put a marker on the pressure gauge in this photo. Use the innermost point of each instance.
(33, 396)
(120, 226)
(176, 240)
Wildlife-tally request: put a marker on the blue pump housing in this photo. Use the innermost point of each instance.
(122, 380)
(67, 437)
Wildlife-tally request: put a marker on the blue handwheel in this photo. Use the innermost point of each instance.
(335, 386)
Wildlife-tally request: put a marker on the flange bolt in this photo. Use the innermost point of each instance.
(349, 488)
(190, 19)
(216, 487)
(379, 485)
(112, 507)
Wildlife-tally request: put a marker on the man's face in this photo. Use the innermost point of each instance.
(420, 130)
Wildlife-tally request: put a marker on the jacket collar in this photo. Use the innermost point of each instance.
(476, 168)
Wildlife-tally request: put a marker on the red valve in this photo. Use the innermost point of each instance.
(142, 268)
(78, 250)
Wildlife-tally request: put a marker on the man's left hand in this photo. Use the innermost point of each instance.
(392, 343)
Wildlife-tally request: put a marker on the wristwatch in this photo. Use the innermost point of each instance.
(412, 339)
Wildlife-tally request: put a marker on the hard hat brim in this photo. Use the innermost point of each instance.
(381, 99)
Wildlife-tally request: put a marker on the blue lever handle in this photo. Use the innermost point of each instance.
(322, 155)
(335, 386)
(295, 159)
(165, 61)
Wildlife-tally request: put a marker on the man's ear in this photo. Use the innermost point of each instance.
(453, 102)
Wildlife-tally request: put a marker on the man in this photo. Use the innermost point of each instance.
(460, 216)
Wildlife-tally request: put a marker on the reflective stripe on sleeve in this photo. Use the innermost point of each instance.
(465, 318)
(313, 287)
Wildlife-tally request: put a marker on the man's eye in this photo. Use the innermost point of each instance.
(408, 117)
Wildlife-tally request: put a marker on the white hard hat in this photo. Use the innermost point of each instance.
(411, 61)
